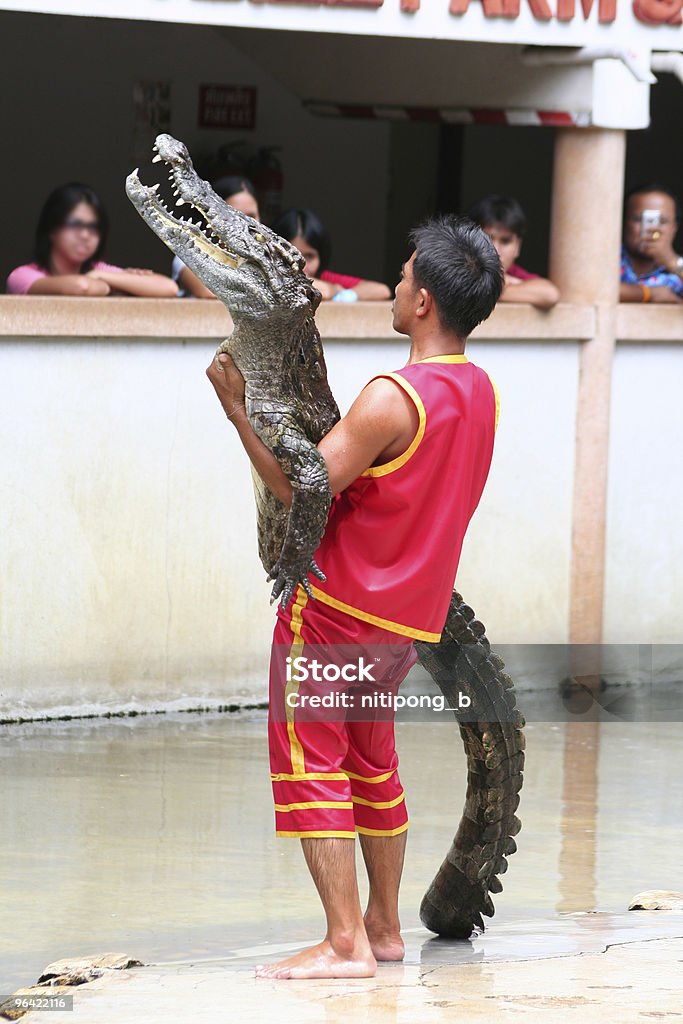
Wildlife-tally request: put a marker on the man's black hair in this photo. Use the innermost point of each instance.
(655, 186)
(496, 209)
(459, 266)
(56, 210)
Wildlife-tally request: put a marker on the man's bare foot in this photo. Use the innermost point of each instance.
(323, 961)
(384, 938)
(386, 943)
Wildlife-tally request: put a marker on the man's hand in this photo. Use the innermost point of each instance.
(228, 383)
(657, 245)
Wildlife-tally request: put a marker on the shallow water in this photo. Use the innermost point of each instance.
(153, 835)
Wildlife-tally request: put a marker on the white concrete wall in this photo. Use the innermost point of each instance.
(644, 570)
(128, 568)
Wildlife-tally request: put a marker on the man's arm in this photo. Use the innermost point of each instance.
(379, 427)
(655, 293)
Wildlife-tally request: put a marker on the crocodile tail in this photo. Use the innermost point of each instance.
(491, 728)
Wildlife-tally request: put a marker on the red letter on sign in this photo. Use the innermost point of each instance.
(607, 9)
(327, 3)
(410, 5)
(505, 8)
(658, 12)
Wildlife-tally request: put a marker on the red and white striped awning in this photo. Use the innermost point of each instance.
(452, 115)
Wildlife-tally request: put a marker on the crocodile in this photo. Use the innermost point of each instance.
(276, 346)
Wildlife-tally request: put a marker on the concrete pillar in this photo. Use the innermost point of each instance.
(584, 263)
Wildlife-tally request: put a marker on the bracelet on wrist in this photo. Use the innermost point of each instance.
(646, 294)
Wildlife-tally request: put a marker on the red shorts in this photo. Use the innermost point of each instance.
(333, 775)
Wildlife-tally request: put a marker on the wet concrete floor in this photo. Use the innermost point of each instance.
(153, 836)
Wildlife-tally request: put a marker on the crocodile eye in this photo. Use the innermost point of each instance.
(259, 237)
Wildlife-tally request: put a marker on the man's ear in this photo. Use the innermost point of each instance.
(425, 303)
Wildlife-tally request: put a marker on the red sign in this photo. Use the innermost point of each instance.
(227, 106)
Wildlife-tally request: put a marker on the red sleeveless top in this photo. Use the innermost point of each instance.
(393, 538)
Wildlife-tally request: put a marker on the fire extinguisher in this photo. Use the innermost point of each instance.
(265, 170)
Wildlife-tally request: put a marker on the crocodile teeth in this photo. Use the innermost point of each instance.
(180, 202)
(154, 188)
(157, 159)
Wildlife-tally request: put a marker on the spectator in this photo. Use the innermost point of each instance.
(503, 220)
(69, 244)
(236, 191)
(303, 229)
(651, 271)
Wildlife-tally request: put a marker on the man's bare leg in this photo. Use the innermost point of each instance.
(383, 856)
(345, 951)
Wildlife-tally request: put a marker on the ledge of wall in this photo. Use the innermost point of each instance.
(636, 323)
(45, 316)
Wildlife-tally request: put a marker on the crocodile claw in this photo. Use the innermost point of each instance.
(286, 582)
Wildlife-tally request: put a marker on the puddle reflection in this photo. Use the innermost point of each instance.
(154, 836)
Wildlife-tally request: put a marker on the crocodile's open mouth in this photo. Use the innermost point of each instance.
(201, 235)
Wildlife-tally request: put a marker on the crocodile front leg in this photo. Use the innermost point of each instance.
(305, 469)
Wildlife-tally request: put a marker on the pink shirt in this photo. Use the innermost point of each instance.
(21, 278)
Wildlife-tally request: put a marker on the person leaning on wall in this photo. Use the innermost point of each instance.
(305, 231)
(651, 269)
(67, 259)
(504, 221)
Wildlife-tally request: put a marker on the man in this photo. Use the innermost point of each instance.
(651, 270)
(407, 465)
(504, 221)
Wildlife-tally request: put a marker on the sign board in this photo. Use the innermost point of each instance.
(227, 106)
